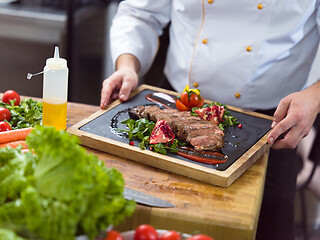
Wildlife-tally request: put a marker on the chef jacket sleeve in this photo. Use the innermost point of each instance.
(318, 15)
(136, 28)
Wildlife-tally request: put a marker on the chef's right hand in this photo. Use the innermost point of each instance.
(120, 84)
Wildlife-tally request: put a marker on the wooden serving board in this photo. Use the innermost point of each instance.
(243, 146)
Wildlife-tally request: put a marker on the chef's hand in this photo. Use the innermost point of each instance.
(120, 84)
(294, 117)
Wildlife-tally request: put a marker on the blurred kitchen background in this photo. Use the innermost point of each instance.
(29, 30)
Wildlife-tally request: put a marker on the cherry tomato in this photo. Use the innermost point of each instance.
(185, 99)
(191, 99)
(180, 106)
(4, 114)
(194, 100)
(4, 126)
(200, 237)
(11, 95)
(145, 232)
(170, 235)
(113, 235)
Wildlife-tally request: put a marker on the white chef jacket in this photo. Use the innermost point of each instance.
(245, 53)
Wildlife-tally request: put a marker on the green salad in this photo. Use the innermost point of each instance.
(27, 114)
(57, 190)
(141, 129)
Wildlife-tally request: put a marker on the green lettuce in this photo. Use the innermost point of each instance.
(8, 235)
(60, 190)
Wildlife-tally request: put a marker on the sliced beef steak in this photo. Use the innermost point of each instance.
(201, 134)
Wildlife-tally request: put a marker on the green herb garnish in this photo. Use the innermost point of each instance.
(141, 129)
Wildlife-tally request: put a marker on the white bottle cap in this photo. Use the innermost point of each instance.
(56, 62)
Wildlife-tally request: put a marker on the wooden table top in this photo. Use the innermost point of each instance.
(223, 213)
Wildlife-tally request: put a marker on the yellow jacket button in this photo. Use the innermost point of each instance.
(249, 49)
(210, 1)
(260, 6)
(205, 41)
(237, 95)
(195, 84)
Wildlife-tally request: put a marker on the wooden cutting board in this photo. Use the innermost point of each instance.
(243, 146)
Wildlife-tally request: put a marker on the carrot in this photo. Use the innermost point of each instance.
(14, 144)
(14, 135)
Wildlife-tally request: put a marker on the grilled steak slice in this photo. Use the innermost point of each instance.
(196, 129)
(201, 134)
(180, 126)
(149, 112)
(206, 142)
(136, 112)
(199, 131)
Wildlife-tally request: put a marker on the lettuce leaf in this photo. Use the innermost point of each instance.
(9, 235)
(60, 190)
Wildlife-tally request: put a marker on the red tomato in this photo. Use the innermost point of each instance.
(191, 100)
(145, 232)
(113, 235)
(194, 100)
(4, 126)
(200, 237)
(170, 235)
(185, 99)
(4, 114)
(180, 106)
(11, 95)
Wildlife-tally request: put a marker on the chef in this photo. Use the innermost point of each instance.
(249, 54)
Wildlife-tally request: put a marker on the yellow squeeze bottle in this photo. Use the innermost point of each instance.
(55, 91)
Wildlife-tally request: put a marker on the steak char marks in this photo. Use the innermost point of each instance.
(201, 134)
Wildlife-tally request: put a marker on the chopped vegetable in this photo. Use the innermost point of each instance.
(58, 190)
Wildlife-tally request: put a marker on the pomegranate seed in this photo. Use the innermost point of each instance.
(240, 125)
(131, 143)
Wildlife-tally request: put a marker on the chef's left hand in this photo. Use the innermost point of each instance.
(294, 117)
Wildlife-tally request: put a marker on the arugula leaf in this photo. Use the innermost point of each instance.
(137, 129)
(27, 114)
(141, 129)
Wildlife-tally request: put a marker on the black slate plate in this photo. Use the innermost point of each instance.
(237, 141)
